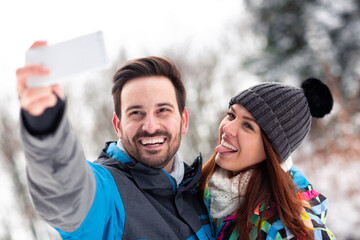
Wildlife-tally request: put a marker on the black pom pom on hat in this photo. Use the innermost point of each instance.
(318, 96)
(284, 112)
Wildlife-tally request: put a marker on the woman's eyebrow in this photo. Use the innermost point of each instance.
(249, 118)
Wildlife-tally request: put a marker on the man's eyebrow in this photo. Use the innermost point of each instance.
(140, 106)
(165, 104)
(133, 107)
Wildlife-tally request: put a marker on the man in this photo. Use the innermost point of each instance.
(138, 188)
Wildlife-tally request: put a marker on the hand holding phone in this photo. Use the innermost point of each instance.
(36, 100)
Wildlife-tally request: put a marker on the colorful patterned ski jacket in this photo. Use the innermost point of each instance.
(314, 215)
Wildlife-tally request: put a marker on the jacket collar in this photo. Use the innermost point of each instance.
(156, 180)
(177, 171)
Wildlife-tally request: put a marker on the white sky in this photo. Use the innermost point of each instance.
(135, 25)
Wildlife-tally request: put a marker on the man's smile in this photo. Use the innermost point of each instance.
(152, 143)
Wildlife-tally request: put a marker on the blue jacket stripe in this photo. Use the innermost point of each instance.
(114, 152)
(171, 180)
(207, 204)
(106, 217)
(183, 183)
(202, 234)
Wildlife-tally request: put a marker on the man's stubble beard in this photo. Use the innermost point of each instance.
(134, 148)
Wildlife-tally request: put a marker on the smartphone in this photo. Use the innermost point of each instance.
(68, 58)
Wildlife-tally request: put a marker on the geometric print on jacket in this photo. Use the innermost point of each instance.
(314, 216)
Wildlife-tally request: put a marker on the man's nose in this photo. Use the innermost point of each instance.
(150, 124)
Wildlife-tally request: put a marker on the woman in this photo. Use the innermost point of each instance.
(252, 190)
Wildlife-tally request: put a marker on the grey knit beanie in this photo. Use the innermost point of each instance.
(284, 112)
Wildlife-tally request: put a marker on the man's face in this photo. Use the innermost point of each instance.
(150, 126)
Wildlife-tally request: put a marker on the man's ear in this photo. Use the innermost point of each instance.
(184, 121)
(116, 123)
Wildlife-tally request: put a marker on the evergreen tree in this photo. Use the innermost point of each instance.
(319, 39)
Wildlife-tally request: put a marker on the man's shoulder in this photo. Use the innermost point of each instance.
(111, 155)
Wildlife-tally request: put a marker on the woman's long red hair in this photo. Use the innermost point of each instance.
(269, 184)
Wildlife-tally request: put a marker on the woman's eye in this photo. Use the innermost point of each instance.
(248, 125)
(230, 115)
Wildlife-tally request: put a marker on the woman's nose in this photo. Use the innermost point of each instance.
(230, 128)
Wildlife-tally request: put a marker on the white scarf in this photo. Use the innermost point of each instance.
(286, 166)
(225, 191)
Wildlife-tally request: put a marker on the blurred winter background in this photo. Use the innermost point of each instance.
(221, 47)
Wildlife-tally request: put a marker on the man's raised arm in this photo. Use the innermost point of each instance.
(60, 181)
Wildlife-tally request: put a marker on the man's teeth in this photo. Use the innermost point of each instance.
(152, 141)
(227, 145)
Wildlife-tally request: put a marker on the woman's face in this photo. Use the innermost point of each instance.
(241, 145)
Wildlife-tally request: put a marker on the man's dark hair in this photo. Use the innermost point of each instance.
(147, 67)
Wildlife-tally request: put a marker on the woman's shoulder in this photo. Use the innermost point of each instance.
(315, 206)
(314, 202)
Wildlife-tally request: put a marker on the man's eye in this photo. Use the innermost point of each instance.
(163, 110)
(135, 113)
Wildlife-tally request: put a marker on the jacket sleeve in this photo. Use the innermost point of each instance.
(315, 206)
(61, 182)
(316, 212)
